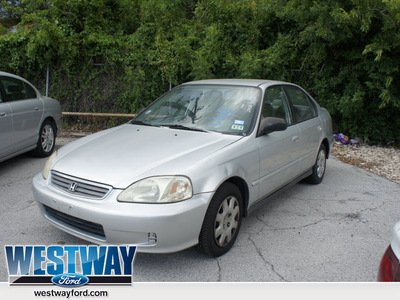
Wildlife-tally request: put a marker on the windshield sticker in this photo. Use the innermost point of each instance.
(222, 115)
(248, 108)
(237, 127)
(238, 122)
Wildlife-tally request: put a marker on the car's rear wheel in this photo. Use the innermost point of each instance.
(222, 221)
(47, 139)
(318, 170)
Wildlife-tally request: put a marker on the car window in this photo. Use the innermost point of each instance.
(15, 89)
(275, 104)
(302, 107)
(30, 92)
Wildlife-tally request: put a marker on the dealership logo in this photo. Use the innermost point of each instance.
(73, 186)
(70, 280)
(70, 266)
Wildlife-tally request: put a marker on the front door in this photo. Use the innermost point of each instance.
(279, 151)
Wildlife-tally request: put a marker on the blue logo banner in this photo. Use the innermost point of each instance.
(70, 266)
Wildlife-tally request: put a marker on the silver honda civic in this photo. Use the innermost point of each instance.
(188, 167)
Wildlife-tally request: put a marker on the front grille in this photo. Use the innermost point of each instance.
(86, 226)
(79, 187)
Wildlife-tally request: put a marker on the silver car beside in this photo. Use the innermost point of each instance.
(188, 168)
(28, 120)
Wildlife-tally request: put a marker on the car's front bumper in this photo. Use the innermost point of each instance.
(158, 228)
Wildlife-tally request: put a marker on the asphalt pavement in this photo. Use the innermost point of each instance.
(336, 231)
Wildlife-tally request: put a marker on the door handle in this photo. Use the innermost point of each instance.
(295, 139)
(37, 108)
(2, 114)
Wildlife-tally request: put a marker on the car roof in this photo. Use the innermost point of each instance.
(11, 75)
(20, 78)
(246, 82)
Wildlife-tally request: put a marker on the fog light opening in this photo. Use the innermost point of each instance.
(152, 238)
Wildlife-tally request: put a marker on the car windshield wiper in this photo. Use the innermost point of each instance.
(140, 123)
(182, 127)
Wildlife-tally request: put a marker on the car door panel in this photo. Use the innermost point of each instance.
(279, 154)
(27, 115)
(311, 132)
(6, 132)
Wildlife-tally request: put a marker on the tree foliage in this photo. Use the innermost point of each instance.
(119, 55)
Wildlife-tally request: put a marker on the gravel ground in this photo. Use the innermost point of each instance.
(382, 161)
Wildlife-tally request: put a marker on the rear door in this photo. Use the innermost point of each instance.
(305, 117)
(26, 110)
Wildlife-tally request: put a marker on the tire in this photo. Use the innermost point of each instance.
(47, 139)
(318, 170)
(222, 221)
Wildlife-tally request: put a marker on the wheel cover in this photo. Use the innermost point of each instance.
(227, 221)
(47, 138)
(321, 161)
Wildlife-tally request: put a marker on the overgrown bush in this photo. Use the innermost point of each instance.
(119, 55)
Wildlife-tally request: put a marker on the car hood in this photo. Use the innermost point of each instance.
(128, 153)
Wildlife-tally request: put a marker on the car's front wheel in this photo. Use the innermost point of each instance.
(47, 139)
(222, 221)
(318, 170)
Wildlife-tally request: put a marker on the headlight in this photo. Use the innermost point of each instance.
(163, 189)
(47, 166)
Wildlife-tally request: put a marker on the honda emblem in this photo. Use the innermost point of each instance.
(73, 186)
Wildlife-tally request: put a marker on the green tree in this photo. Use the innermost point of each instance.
(119, 55)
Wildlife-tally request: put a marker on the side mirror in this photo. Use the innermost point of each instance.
(271, 124)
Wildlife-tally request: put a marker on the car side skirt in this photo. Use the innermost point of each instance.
(259, 203)
(14, 154)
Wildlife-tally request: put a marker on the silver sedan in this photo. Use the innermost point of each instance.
(188, 168)
(28, 120)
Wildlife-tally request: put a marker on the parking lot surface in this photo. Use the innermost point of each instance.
(333, 232)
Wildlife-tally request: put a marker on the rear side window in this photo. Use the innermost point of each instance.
(302, 107)
(15, 89)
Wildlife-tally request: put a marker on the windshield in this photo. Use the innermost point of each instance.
(224, 109)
